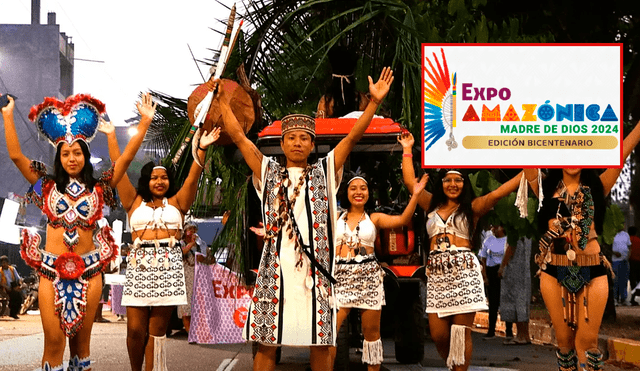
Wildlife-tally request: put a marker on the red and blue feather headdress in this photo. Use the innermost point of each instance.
(76, 118)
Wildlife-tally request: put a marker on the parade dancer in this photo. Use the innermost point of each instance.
(155, 281)
(573, 270)
(359, 276)
(455, 290)
(79, 243)
(293, 302)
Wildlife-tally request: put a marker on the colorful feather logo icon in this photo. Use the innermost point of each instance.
(439, 102)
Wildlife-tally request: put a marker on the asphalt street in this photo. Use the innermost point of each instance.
(21, 343)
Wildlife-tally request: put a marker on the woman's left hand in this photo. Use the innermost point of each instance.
(106, 127)
(146, 106)
(208, 139)
(380, 89)
(419, 186)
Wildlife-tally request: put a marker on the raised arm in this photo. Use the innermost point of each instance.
(126, 190)
(251, 154)
(385, 221)
(147, 110)
(408, 173)
(187, 192)
(13, 144)
(378, 91)
(483, 204)
(531, 175)
(610, 176)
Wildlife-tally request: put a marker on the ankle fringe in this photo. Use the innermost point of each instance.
(372, 352)
(48, 367)
(457, 346)
(159, 353)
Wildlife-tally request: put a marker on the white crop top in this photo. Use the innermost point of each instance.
(367, 233)
(165, 217)
(436, 225)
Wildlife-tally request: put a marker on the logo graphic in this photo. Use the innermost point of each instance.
(240, 316)
(439, 103)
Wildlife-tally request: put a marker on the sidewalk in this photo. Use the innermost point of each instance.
(616, 350)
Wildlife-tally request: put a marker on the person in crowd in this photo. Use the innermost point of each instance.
(116, 290)
(620, 262)
(341, 97)
(359, 276)
(293, 295)
(10, 282)
(154, 282)
(455, 289)
(491, 254)
(634, 263)
(189, 245)
(79, 245)
(104, 298)
(515, 290)
(573, 269)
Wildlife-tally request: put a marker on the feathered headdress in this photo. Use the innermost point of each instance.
(75, 118)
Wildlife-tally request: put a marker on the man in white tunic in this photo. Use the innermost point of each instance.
(293, 297)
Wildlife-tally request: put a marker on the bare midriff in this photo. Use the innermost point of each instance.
(593, 247)
(343, 250)
(55, 241)
(156, 234)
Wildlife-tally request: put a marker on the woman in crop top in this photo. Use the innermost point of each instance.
(573, 270)
(358, 274)
(455, 289)
(154, 282)
(79, 244)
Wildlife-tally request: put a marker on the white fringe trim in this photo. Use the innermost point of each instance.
(159, 353)
(522, 196)
(372, 352)
(456, 346)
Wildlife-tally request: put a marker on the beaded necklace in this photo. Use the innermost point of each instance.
(581, 208)
(285, 207)
(353, 242)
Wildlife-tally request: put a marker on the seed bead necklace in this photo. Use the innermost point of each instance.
(285, 207)
(353, 242)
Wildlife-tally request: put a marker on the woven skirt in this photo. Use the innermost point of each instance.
(155, 275)
(360, 282)
(454, 283)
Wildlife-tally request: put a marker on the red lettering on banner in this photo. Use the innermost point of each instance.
(220, 290)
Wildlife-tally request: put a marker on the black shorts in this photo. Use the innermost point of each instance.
(575, 278)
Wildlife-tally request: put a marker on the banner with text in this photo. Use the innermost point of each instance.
(514, 105)
(218, 306)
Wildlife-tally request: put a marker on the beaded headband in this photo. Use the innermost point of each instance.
(76, 118)
(298, 121)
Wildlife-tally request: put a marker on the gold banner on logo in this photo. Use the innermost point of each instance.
(539, 142)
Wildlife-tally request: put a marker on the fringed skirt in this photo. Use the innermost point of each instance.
(454, 283)
(360, 282)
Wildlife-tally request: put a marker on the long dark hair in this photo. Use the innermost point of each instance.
(465, 199)
(145, 178)
(343, 62)
(60, 175)
(588, 177)
(344, 194)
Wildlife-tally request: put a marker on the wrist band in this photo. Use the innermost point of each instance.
(202, 149)
(410, 155)
(374, 100)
